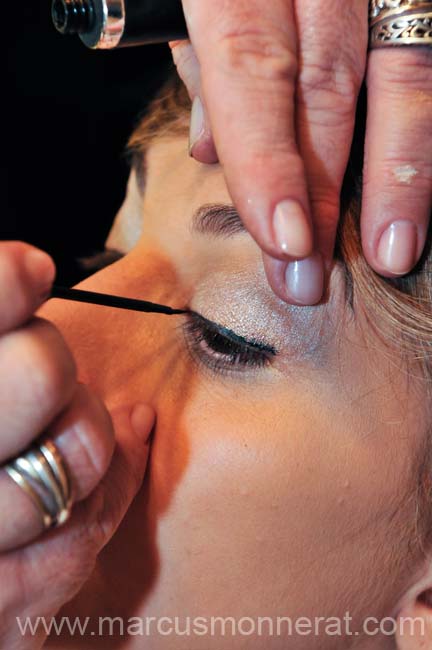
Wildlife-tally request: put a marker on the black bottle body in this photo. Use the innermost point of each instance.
(153, 21)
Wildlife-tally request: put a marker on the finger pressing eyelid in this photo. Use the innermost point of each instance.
(330, 76)
(300, 282)
(249, 64)
(397, 191)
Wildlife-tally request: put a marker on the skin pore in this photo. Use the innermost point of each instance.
(276, 488)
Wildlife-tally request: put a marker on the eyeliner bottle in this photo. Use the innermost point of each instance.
(108, 24)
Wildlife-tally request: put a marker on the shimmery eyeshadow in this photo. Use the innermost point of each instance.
(236, 338)
(241, 306)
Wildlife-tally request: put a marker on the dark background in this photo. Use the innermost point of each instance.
(69, 112)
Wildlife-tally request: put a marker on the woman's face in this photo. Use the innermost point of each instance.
(282, 459)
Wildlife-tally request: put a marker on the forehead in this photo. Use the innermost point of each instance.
(178, 183)
(166, 188)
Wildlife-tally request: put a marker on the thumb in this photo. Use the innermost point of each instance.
(201, 144)
(114, 495)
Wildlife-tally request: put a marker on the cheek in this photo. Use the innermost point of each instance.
(276, 499)
(124, 356)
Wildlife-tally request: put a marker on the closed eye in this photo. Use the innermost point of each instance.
(222, 349)
(216, 346)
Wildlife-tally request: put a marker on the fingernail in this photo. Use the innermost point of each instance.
(292, 229)
(397, 248)
(305, 280)
(197, 125)
(41, 269)
(142, 418)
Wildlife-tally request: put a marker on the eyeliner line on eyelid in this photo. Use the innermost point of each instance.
(260, 346)
(224, 353)
(108, 256)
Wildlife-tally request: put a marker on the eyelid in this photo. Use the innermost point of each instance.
(260, 346)
(108, 256)
(220, 353)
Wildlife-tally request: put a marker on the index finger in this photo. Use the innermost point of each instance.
(248, 55)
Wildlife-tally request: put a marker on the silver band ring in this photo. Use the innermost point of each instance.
(42, 474)
(400, 22)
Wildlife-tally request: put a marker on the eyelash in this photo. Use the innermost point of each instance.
(223, 351)
(214, 346)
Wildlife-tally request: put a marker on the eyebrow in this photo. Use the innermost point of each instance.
(217, 219)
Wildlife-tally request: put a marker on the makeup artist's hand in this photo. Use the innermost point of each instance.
(275, 86)
(105, 454)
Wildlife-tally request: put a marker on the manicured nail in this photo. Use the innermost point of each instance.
(197, 125)
(292, 229)
(41, 269)
(142, 418)
(397, 248)
(305, 280)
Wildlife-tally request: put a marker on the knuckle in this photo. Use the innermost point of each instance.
(412, 70)
(264, 55)
(51, 366)
(330, 87)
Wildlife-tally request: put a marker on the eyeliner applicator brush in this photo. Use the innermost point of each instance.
(107, 300)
